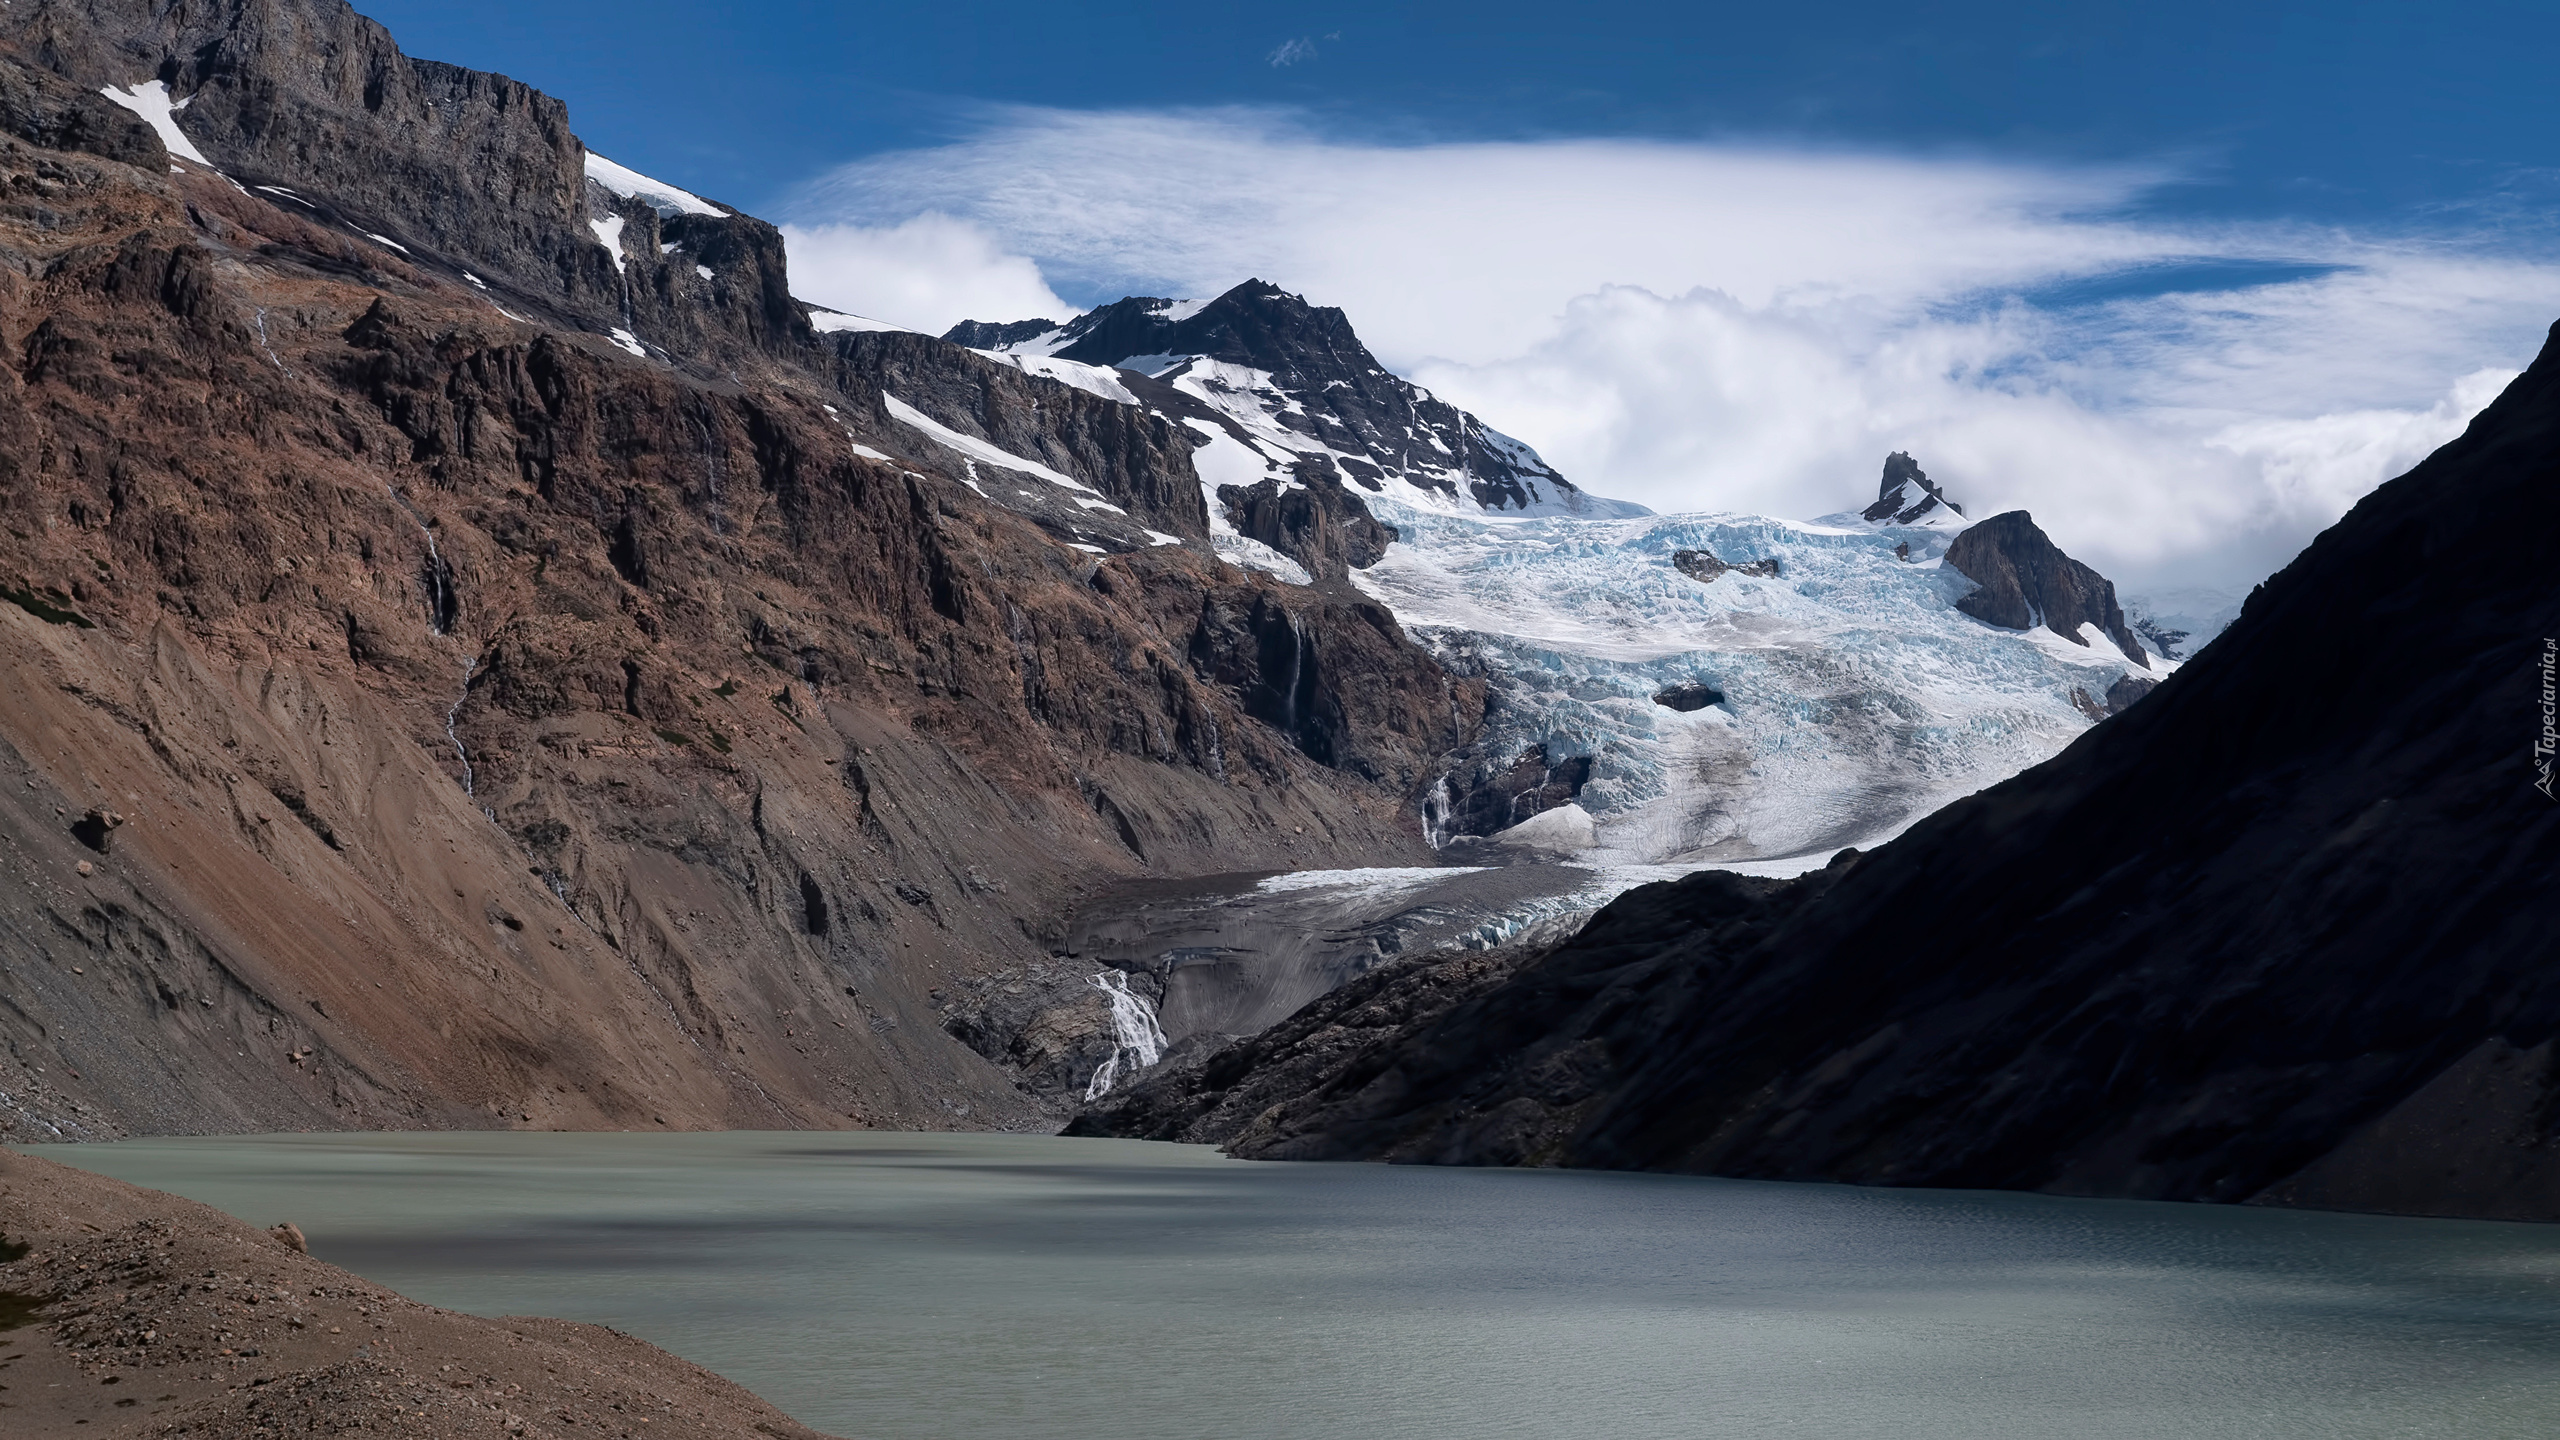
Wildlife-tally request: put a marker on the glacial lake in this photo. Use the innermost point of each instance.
(993, 1287)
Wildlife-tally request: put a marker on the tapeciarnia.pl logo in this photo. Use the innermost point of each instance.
(2549, 740)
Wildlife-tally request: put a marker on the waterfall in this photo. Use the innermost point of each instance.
(453, 719)
(444, 607)
(262, 341)
(1136, 1035)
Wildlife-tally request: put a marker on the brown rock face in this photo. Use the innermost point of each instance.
(2026, 580)
(1315, 522)
(511, 730)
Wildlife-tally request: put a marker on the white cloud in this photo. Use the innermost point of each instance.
(1752, 327)
(927, 272)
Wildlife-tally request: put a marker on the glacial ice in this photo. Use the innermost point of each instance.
(1857, 697)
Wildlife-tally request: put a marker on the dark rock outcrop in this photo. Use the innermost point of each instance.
(465, 172)
(1314, 522)
(1908, 495)
(1487, 795)
(1703, 566)
(51, 113)
(991, 335)
(1688, 696)
(2026, 580)
(2279, 933)
(2127, 689)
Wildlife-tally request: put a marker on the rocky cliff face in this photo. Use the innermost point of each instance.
(1312, 520)
(2027, 581)
(518, 722)
(2279, 933)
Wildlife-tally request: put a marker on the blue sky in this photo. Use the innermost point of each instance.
(2184, 279)
(2339, 111)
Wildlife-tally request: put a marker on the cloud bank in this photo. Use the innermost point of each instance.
(917, 271)
(1752, 327)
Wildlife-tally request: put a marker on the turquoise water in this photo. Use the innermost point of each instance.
(1033, 1288)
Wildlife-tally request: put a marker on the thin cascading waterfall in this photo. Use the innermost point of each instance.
(452, 732)
(444, 607)
(263, 345)
(1136, 1036)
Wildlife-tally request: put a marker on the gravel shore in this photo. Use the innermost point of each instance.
(126, 1311)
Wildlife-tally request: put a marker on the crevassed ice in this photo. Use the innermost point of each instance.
(1857, 697)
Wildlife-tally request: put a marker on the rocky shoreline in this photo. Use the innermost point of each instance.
(126, 1311)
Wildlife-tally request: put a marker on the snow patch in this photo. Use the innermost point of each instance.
(828, 322)
(629, 341)
(150, 100)
(1092, 379)
(609, 235)
(1375, 880)
(1566, 827)
(979, 450)
(660, 196)
(384, 240)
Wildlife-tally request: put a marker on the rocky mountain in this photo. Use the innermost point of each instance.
(2027, 581)
(1270, 386)
(2279, 934)
(1909, 497)
(483, 654)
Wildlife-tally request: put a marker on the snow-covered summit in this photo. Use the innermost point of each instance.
(1265, 382)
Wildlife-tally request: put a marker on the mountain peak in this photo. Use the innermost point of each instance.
(1287, 380)
(1909, 497)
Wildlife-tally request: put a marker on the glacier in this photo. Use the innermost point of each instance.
(1855, 697)
(1818, 687)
